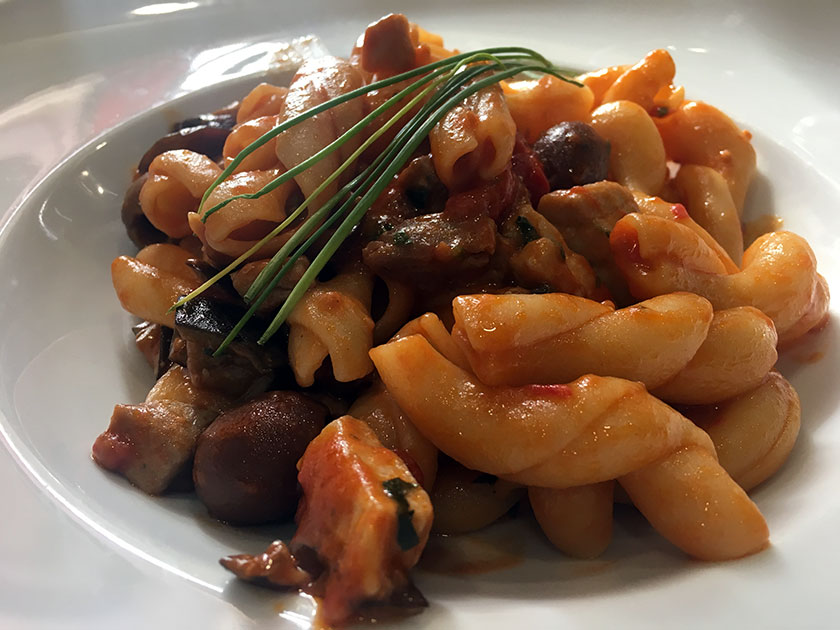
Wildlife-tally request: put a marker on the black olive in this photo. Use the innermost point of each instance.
(573, 154)
(245, 468)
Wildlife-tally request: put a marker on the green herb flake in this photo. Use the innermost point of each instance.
(661, 111)
(401, 239)
(528, 231)
(396, 489)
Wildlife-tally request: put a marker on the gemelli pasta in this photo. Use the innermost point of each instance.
(419, 287)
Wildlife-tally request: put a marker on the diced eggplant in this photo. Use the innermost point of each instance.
(246, 366)
(203, 134)
(155, 342)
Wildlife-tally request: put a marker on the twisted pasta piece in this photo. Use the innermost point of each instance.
(673, 343)
(398, 310)
(170, 259)
(434, 331)
(235, 228)
(377, 408)
(264, 158)
(676, 212)
(147, 291)
(649, 83)
(593, 429)
(778, 276)
(754, 433)
(637, 155)
(466, 500)
(317, 81)
(473, 140)
(538, 104)
(333, 319)
(599, 81)
(177, 181)
(706, 196)
(578, 521)
(263, 100)
(698, 133)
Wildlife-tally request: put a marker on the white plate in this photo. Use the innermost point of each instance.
(66, 356)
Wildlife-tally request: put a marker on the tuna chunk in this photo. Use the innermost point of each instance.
(151, 443)
(363, 517)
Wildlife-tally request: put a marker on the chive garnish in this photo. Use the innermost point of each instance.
(529, 232)
(439, 87)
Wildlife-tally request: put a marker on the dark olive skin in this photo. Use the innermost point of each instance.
(573, 154)
(245, 468)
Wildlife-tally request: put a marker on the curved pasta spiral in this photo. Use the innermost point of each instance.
(538, 104)
(778, 274)
(177, 180)
(474, 140)
(149, 284)
(578, 521)
(755, 432)
(317, 81)
(238, 226)
(673, 343)
(591, 430)
(333, 319)
(648, 83)
(697, 133)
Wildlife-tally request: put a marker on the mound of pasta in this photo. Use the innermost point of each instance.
(417, 287)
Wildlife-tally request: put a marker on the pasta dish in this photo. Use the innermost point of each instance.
(418, 287)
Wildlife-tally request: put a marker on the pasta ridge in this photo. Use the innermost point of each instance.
(778, 274)
(672, 343)
(593, 429)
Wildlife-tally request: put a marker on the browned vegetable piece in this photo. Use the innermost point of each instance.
(151, 443)
(387, 47)
(245, 368)
(573, 154)
(203, 134)
(416, 190)
(432, 249)
(585, 216)
(154, 342)
(245, 462)
(364, 516)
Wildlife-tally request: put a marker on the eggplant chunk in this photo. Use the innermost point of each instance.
(244, 368)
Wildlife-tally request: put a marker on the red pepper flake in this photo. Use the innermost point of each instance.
(679, 211)
(559, 391)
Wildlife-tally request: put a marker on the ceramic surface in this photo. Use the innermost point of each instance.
(83, 549)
